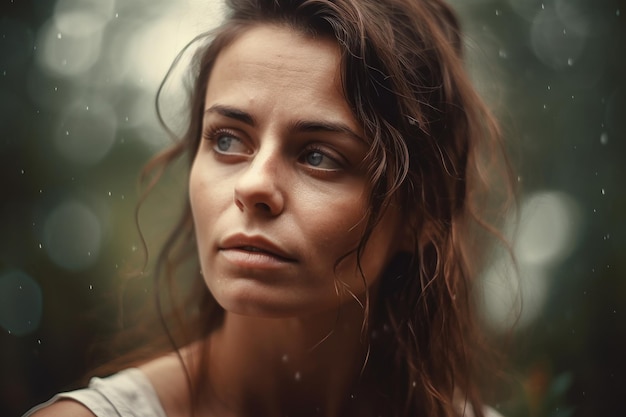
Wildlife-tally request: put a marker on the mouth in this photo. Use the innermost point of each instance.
(256, 250)
(256, 246)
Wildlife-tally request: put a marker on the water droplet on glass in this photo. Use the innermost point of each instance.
(543, 6)
(502, 53)
(497, 12)
(40, 246)
(570, 61)
(117, 15)
(90, 287)
(603, 191)
(564, 31)
(87, 108)
(38, 341)
(549, 87)
(285, 358)
(59, 36)
(298, 376)
(109, 193)
(22, 172)
(67, 133)
(617, 12)
(604, 138)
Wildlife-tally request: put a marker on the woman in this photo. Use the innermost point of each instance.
(338, 165)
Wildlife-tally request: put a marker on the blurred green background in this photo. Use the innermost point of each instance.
(77, 121)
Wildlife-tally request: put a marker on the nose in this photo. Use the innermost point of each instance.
(258, 189)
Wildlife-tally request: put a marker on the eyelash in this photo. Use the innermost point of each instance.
(212, 134)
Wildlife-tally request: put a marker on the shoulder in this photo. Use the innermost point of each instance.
(122, 394)
(170, 380)
(63, 408)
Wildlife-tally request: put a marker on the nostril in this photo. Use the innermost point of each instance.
(263, 207)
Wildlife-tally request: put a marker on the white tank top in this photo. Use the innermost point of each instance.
(124, 394)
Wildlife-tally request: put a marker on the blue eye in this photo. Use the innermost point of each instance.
(228, 144)
(315, 158)
(224, 143)
(321, 160)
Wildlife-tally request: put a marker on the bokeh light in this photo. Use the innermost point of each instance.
(65, 53)
(516, 289)
(86, 132)
(558, 43)
(20, 303)
(73, 236)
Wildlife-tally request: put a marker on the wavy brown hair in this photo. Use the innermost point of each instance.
(434, 146)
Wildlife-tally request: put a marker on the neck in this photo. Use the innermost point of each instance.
(295, 366)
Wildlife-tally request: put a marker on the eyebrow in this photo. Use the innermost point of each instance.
(232, 113)
(298, 126)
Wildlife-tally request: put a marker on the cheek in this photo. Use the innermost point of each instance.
(205, 197)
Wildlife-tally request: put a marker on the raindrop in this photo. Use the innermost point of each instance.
(90, 287)
(497, 12)
(109, 193)
(502, 53)
(570, 61)
(285, 358)
(40, 246)
(38, 341)
(298, 376)
(59, 36)
(117, 15)
(549, 87)
(604, 138)
(87, 108)
(617, 12)
(23, 172)
(543, 6)
(603, 192)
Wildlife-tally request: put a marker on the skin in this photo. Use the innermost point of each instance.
(279, 172)
(280, 160)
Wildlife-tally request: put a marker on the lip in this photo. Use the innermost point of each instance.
(254, 248)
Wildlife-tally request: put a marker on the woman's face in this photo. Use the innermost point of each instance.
(278, 190)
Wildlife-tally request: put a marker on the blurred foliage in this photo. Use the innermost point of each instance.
(77, 121)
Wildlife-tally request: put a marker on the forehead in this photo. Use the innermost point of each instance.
(278, 68)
